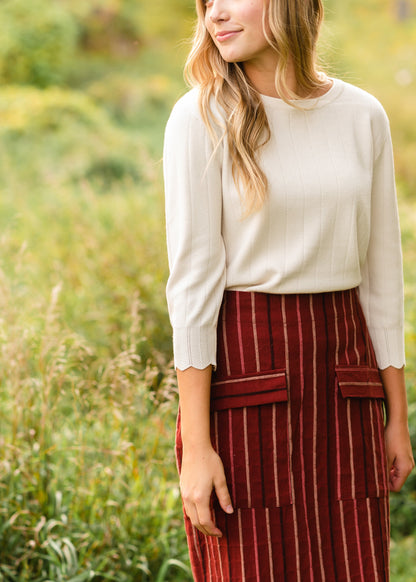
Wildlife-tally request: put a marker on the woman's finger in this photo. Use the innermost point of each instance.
(206, 523)
(223, 494)
(201, 518)
(192, 513)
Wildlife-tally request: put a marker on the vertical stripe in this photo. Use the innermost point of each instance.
(336, 396)
(220, 559)
(209, 556)
(196, 545)
(346, 327)
(227, 537)
(380, 426)
(314, 438)
(385, 529)
(337, 441)
(289, 421)
(351, 448)
(365, 472)
(255, 543)
(344, 541)
(386, 559)
(370, 529)
(224, 335)
(336, 330)
(247, 457)
(357, 533)
(282, 534)
(240, 335)
(231, 447)
(261, 440)
(374, 448)
(355, 329)
(383, 521)
(302, 447)
(276, 480)
(328, 365)
(269, 545)
(253, 319)
(271, 331)
(369, 350)
(240, 534)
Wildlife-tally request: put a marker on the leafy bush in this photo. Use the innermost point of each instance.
(122, 27)
(28, 110)
(38, 40)
(60, 135)
(138, 103)
(108, 26)
(129, 99)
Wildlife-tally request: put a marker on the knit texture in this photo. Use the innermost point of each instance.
(330, 221)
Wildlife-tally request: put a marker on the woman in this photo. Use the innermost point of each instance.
(285, 295)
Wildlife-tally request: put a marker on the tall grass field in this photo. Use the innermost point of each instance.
(88, 484)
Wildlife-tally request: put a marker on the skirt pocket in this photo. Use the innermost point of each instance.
(249, 390)
(250, 432)
(361, 455)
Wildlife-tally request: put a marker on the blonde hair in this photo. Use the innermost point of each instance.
(291, 27)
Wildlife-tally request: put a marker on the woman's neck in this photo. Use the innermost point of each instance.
(263, 76)
(263, 79)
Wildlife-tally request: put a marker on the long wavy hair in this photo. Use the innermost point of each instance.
(291, 27)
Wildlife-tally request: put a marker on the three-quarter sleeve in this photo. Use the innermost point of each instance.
(381, 289)
(193, 202)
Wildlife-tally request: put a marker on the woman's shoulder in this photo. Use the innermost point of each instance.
(362, 110)
(186, 107)
(357, 98)
(186, 117)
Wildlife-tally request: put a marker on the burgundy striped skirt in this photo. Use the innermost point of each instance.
(297, 418)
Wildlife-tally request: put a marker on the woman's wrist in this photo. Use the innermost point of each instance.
(194, 395)
(398, 425)
(396, 397)
(398, 420)
(196, 441)
(198, 450)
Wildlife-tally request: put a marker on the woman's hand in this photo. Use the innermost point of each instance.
(202, 471)
(400, 461)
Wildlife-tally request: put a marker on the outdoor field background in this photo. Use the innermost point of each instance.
(88, 486)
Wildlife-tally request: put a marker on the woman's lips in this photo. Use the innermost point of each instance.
(226, 34)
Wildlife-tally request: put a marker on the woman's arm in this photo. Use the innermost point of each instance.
(196, 251)
(202, 469)
(400, 459)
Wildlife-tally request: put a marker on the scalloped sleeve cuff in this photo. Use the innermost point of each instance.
(195, 347)
(388, 346)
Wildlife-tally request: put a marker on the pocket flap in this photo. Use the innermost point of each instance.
(249, 390)
(359, 382)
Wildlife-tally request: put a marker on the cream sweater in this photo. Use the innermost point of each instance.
(330, 221)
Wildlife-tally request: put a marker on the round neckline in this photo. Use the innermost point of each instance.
(309, 103)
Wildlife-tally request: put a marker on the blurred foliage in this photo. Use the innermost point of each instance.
(41, 38)
(88, 486)
(72, 136)
(38, 40)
